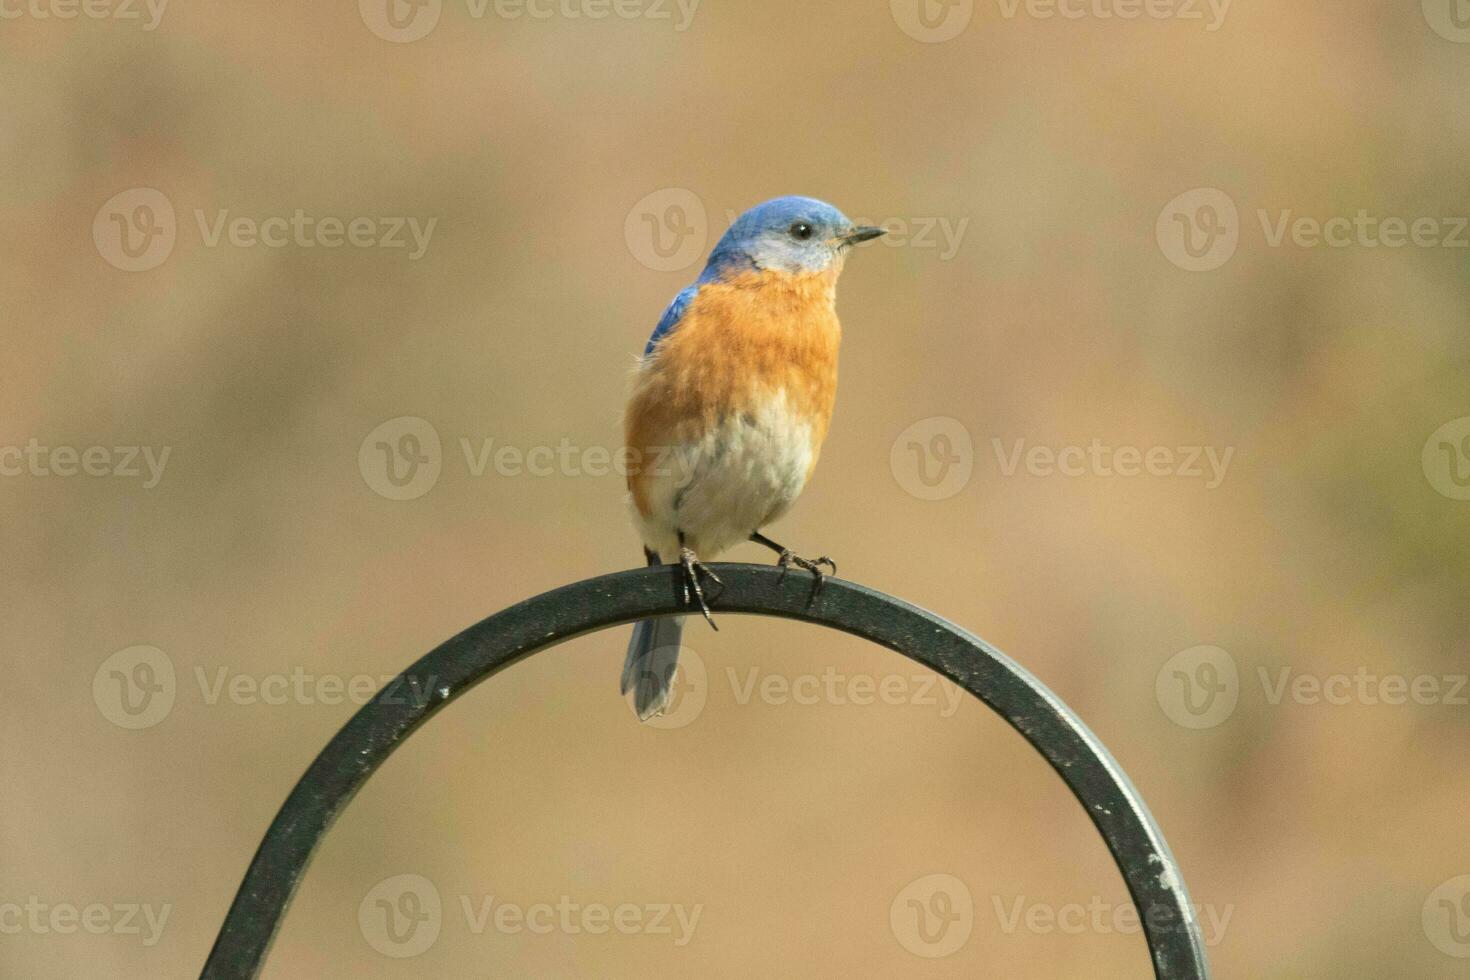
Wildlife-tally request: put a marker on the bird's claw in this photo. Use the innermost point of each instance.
(693, 591)
(790, 559)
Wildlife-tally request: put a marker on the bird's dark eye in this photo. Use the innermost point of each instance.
(801, 231)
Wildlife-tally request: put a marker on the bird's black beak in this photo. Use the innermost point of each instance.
(863, 233)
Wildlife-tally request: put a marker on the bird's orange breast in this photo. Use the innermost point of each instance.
(755, 337)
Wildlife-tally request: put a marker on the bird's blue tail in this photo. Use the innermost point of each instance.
(653, 653)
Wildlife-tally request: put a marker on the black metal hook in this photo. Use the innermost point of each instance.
(381, 725)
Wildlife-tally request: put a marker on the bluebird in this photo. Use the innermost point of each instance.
(730, 404)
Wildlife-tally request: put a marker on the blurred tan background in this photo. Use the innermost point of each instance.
(575, 170)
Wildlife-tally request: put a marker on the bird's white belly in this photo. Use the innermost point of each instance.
(745, 472)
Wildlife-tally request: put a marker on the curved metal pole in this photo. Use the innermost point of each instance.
(416, 695)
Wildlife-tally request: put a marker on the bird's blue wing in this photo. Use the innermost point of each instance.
(671, 317)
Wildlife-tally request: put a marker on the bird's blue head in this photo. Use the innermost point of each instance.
(794, 235)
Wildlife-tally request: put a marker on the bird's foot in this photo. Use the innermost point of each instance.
(789, 559)
(693, 590)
